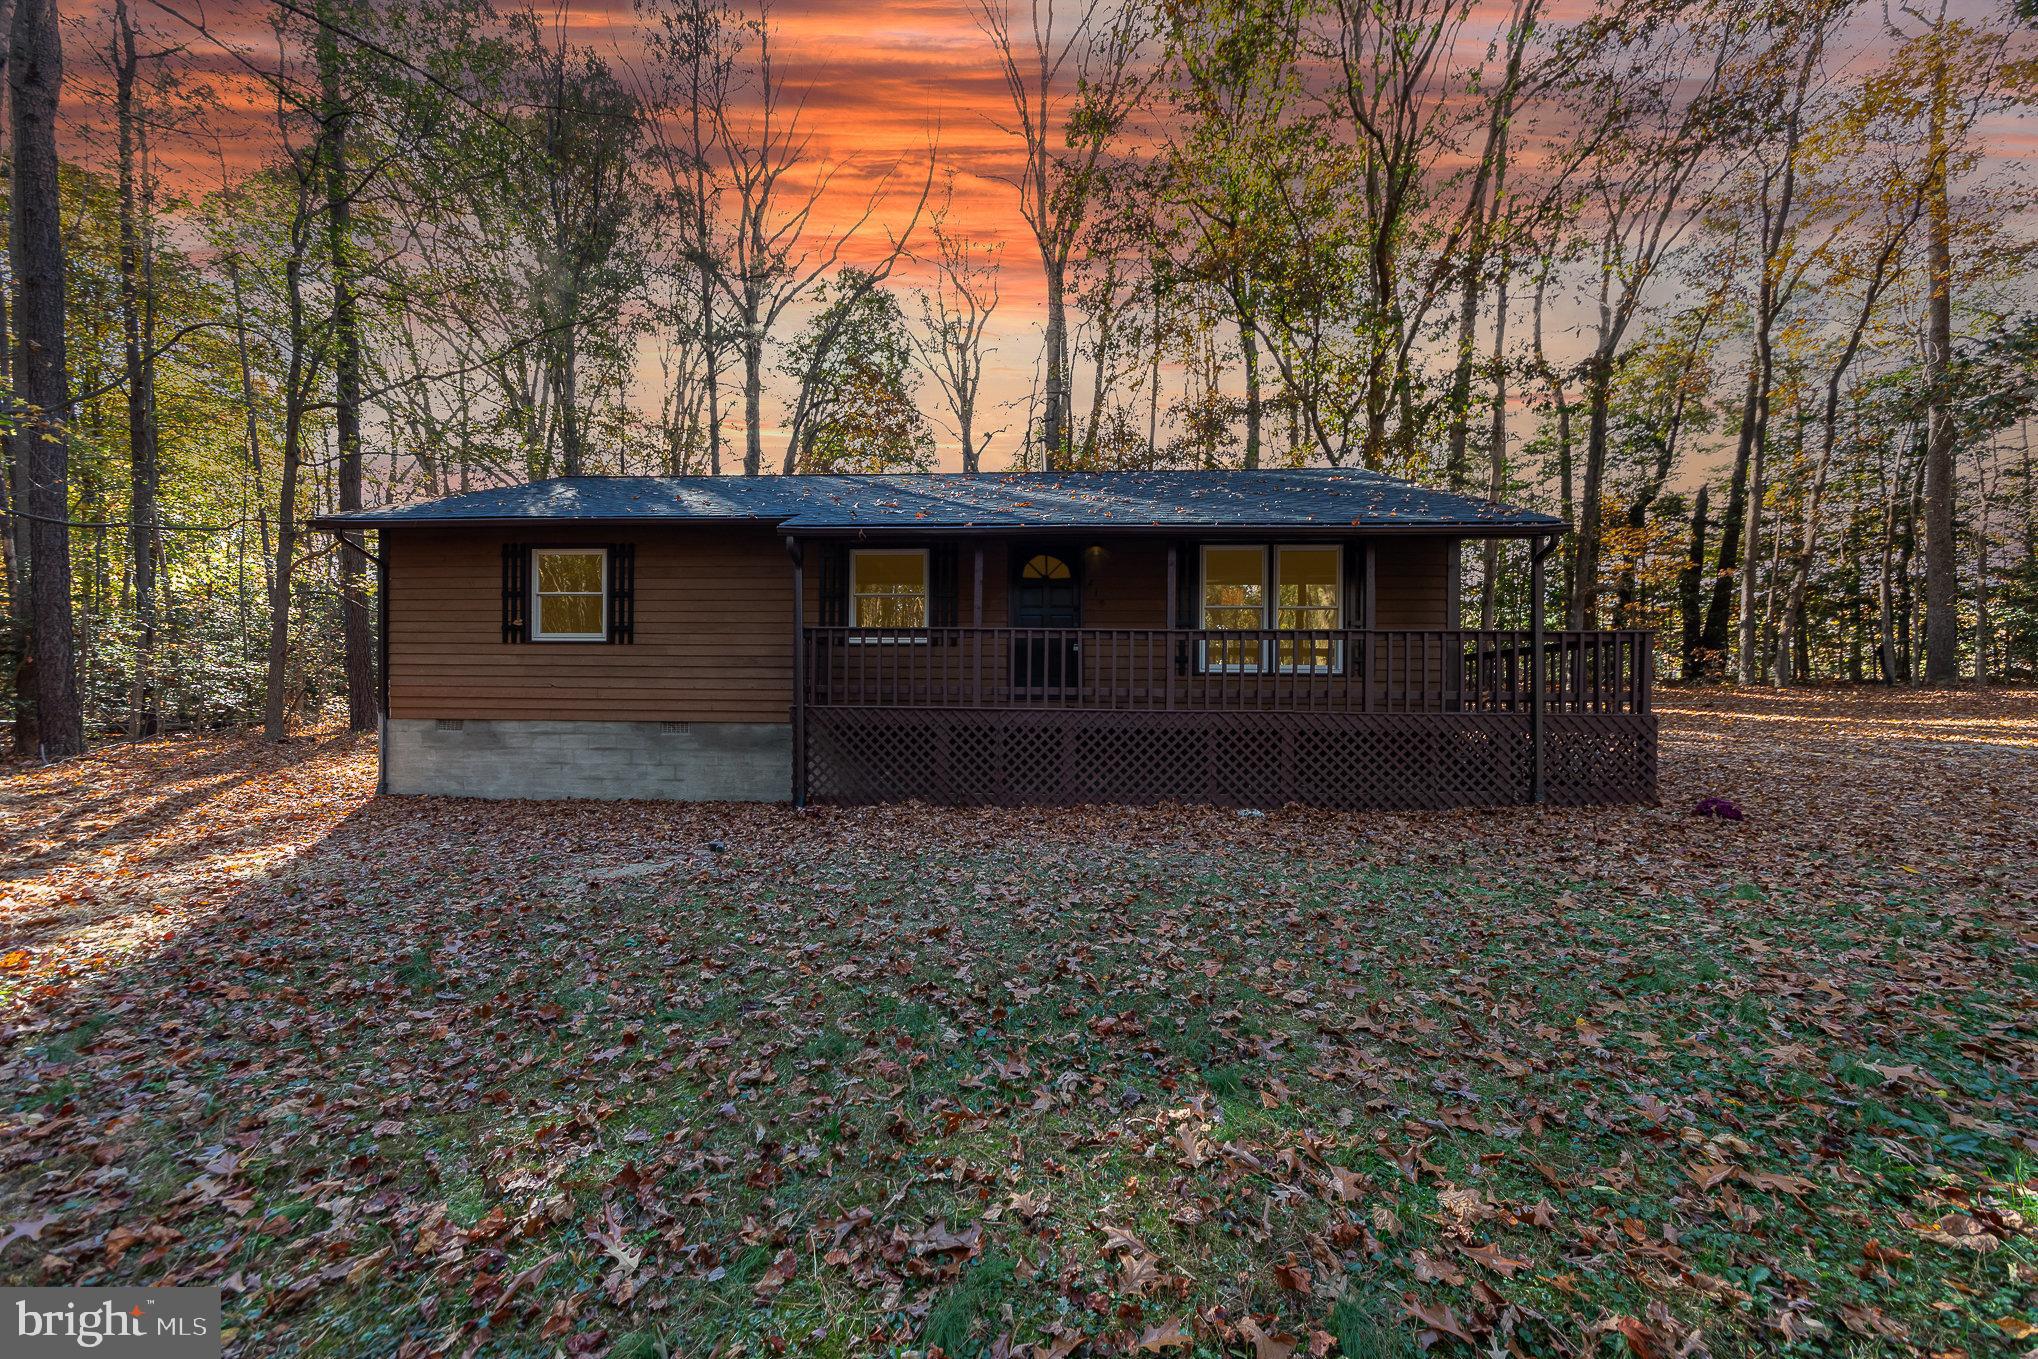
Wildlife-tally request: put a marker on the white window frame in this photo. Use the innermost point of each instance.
(1270, 610)
(1203, 605)
(538, 633)
(926, 594)
(1336, 664)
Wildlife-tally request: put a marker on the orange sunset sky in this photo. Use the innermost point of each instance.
(881, 81)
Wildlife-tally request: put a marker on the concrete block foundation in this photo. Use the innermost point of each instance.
(679, 761)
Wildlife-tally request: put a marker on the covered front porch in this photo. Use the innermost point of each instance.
(1243, 685)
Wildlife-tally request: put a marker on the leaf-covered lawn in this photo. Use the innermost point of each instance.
(442, 1077)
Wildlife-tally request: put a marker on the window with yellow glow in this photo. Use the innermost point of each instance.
(1257, 588)
(1234, 600)
(569, 588)
(888, 588)
(1306, 599)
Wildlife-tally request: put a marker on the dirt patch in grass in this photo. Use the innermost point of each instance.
(431, 1076)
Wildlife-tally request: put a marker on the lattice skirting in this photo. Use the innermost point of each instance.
(1064, 758)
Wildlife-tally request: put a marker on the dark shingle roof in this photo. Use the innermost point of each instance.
(1300, 499)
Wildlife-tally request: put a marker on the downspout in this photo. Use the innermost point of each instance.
(1544, 547)
(796, 550)
(382, 672)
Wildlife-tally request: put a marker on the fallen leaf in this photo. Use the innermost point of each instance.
(1166, 1336)
(1266, 1344)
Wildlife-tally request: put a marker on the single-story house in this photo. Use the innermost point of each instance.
(1246, 638)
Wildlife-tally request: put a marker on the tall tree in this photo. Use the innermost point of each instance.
(1640, 203)
(1782, 262)
(854, 365)
(1395, 87)
(694, 44)
(1235, 136)
(955, 315)
(336, 115)
(772, 259)
(1872, 261)
(1484, 213)
(136, 190)
(1073, 77)
(578, 169)
(35, 77)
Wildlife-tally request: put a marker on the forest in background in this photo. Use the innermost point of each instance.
(1739, 290)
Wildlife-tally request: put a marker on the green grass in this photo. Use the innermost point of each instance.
(892, 1097)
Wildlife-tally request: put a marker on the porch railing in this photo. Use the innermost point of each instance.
(1350, 670)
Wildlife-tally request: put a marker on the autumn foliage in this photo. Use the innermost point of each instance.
(422, 1076)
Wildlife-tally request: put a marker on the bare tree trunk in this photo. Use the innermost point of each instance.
(296, 384)
(1983, 628)
(1909, 643)
(567, 376)
(137, 325)
(1885, 595)
(13, 545)
(711, 361)
(1153, 376)
(711, 342)
(1688, 583)
(1056, 414)
(35, 75)
(1791, 617)
(1560, 400)
(1496, 448)
(1732, 528)
(1751, 531)
(1942, 586)
(1249, 348)
(358, 642)
(753, 402)
(1856, 667)
(1585, 587)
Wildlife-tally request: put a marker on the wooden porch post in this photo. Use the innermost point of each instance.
(977, 625)
(1541, 550)
(795, 550)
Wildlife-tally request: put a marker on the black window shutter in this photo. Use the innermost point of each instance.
(942, 605)
(622, 592)
(516, 592)
(833, 568)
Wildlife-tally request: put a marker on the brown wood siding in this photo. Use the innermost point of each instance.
(1125, 585)
(713, 631)
(714, 620)
(1410, 589)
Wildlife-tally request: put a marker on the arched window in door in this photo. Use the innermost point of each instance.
(1046, 595)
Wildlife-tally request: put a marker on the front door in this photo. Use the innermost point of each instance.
(1047, 594)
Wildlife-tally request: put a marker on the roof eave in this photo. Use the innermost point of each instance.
(332, 523)
(1262, 530)
(1461, 529)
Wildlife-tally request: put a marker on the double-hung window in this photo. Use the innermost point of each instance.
(1234, 600)
(888, 587)
(1255, 589)
(1308, 598)
(569, 594)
